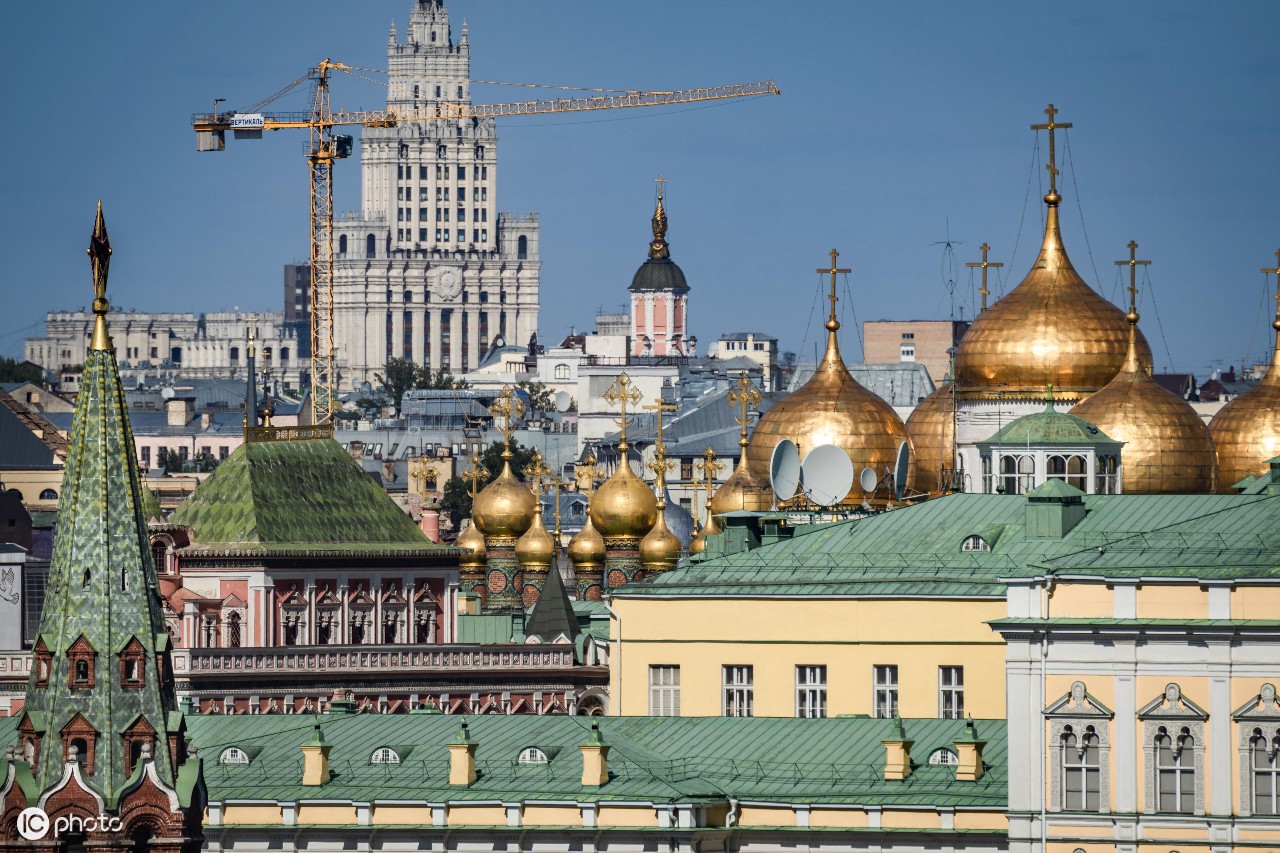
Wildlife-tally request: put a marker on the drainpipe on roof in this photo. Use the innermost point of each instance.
(731, 819)
(616, 664)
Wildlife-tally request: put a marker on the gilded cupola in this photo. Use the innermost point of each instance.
(536, 547)
(660, 549)
(832, 408)
(932, 427)
(1053, 329)
(586, 548)
(505, 508)
(745, 490)
(1246, 430)
(1167, 447)
(471, 542)
(623, 507)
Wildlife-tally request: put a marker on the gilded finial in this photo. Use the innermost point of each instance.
(99, 261)
(984, 263)
(832, 323)
(535, 471)
(1133, 263)
(659, 464)
(508, 407)
(1276, 324)
(744, 395)
(474, 473)
(1052, 198)
(707, 468)
(623, 393)
(658, 248)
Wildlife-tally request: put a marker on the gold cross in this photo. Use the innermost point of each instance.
(623, 393)
(659, 464)
(833, 323)
(706, 467)
(984, 263)
(1133, 263)
(558, 484)
(744, 394)
(535, 471)
(661, 182)
(1276, 272)
(1052, 164)
(508, 407)
(474, 473)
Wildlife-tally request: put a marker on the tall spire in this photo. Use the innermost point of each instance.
(658, 248)
(100, 261)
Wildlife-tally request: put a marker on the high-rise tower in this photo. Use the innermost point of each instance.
(428, 269)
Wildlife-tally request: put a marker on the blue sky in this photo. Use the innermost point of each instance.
(900, 125)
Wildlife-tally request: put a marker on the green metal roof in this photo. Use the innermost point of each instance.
(916, 550)
(292, 496)
(658, 759)
(1050, 427)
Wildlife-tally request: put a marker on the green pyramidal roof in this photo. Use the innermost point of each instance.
(1050, 427)
(295, 495)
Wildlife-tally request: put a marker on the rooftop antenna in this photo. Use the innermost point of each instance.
(949, 266)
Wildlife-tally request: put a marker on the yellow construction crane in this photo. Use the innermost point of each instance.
(327, 148)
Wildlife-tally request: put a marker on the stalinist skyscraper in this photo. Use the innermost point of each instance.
(428, 269)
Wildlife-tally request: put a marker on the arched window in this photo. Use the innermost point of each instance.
(943, 756)
(1017, 474)
(81, 747)
(562, 371)
(233, 630)
(1175, 771)
(1074, 469)
(532, 755)
(233, 755)
(975, 543)
(1107, 483)
(384, 755)
(82, 671)
(370, 246)
(48, 495)
(1081, 770)
(342, 244)
(1263, 751)
(522, 247)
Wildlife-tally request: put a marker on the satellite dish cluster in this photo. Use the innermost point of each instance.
(826, 475)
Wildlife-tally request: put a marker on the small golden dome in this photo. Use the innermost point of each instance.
(660, 548)
(505, 507)
(536, 547)
(624, 506)
(1246, 430)
(698, 544)
(586, 548)
(1167, 447)
(832, 408)
(474, 553)
(744, 490)
(932, 428)
(1052, 329)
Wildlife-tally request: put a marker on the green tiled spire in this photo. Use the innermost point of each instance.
(97, 675)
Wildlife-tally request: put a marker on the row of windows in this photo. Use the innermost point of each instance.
(738, 691)
(478, 235)
(405, 193)
(405, 173)
(383, 755)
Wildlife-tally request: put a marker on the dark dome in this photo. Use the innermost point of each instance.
(659, 274)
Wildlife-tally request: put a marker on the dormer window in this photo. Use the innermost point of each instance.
(384, 755)
(943, 756)
(43, 663)
(975, 543)
(532, 755)
(80, 657)
(233, 755)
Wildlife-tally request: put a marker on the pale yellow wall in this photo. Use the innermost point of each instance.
(395, 814)
(903, 819)
(838, 817)
(849, 637)
(551, 816)
(626, 816)
(766, 816)
(251, 814)
(1172, 601)
(1255, 602)
(1187, 831)
(1077, 600)
(981, 820)
(1099, 830)
(326, 813)
(476, 815)
(31, 483)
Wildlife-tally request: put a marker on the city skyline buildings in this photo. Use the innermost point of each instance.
(892, 130)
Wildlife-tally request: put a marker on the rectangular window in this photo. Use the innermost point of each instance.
(423, 214)
(484, 173)
(484, 193)
(462, 175)
(739, 698)
(223, 451)
(664, 691)
(462, 214)
(811, 691)
(145, 451)
(422, 235)
(884, 700)
(951, 692)
(462, 191)
(422, 173)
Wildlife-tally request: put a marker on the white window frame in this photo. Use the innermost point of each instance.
(1078, 712)
(233, 755)
(664, 690)
(1179, 718)
(384, 755)
(951, 691)
(737, 690)
(811, 690)
(884, 690)
(943, 756)
(1081, 775)
(532, 755)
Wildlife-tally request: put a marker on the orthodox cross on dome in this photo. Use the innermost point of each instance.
(744, 395)
(1052, 165)
(536, 470)
(659, 464)
(474, 473)
(705, 469)
(984, 263)
(659, 248)
(832, 322)
(623, 393)
(100, 261)
(1276, 272)
(508, 407)
(1133, 263)
(558, 484)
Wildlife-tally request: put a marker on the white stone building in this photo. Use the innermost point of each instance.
(428, 269)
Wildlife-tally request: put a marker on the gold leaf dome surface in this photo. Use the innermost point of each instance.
(832, 408)
(698, 544)
(1052, 329)
(505, 507)
(1167, 447)
(744, 490)
(660, 548)
(623, 506)
(471, 541)
(1246, 430)
(535, 547)
(586, 548)
(932, 428)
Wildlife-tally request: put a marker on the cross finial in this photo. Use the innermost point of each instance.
(658, 247)
(661, 182)
(706, 468)
(744, 394)
(1276, 272)
(1133, 263)
(623, 393)
(984, 263)
(536, 470)
(474, 473)
(558, 484)
(99, 261)
(832, 322)
(508, 407)
(1052, 198)
(658, 465)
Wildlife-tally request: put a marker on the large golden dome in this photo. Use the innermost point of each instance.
(1246, 430)
(471, 542)
(832, 408)
(624, 506)
(660, 548)
(932, 428)
(1052, 329)
(586, 548)
(536, 547)
(505, 507)
(1167, 447)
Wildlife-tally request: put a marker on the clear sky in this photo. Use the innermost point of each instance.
(900, 125)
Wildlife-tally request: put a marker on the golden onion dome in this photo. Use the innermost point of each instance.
(698, 544)
(623, 506)
(505, 507)
(586, 548)
(471, 542)
(1246, 431)
(932, 427)
(744, 490)
(1167, 447)
(536, 547)
(832, 408)
(1052, 329)
(660, 548)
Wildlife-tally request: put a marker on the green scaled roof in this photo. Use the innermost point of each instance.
(1050, 427)
(305, 495)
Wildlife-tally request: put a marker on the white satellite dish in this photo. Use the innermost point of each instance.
(828, 474)
(900, 470)
(869, 480)
(563, 401)
(784, 470)
(168, 393)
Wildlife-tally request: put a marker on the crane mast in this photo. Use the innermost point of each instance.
(326, 148)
